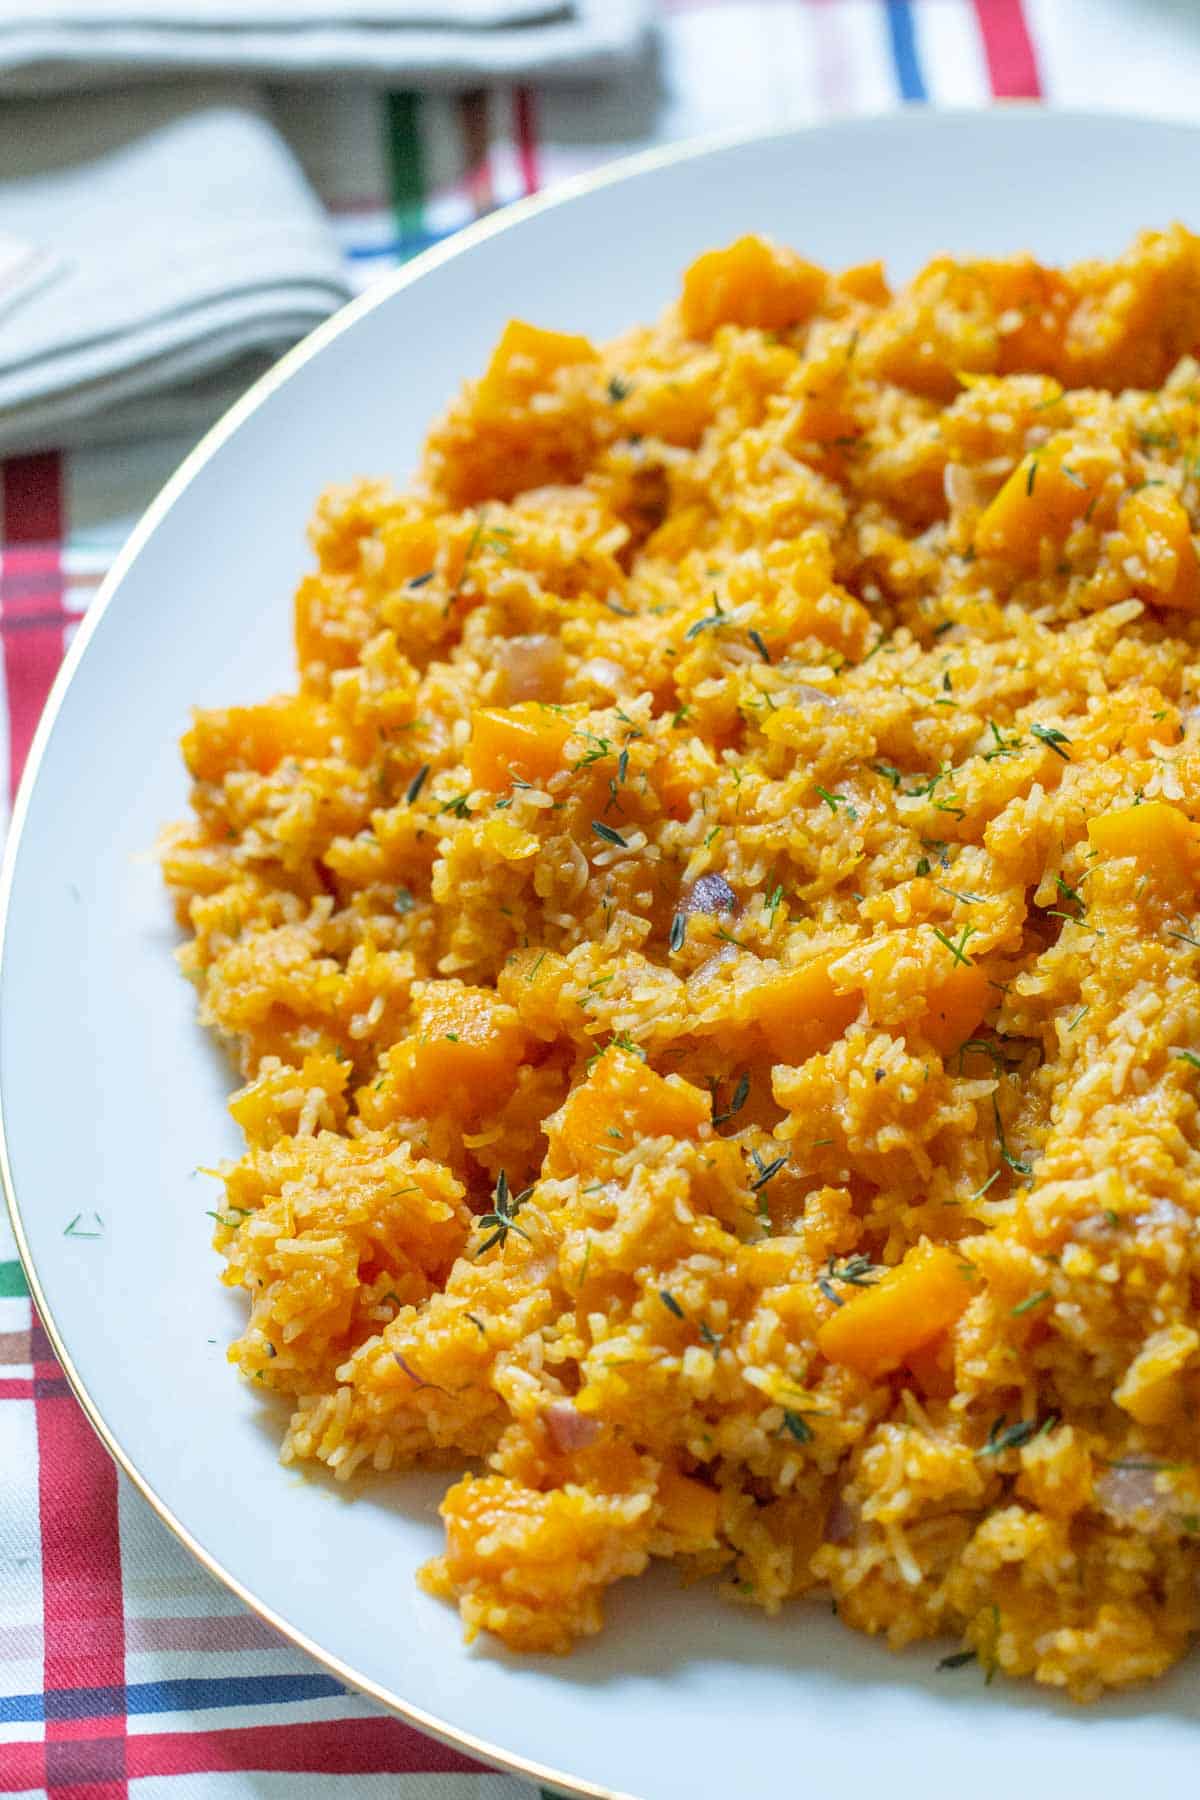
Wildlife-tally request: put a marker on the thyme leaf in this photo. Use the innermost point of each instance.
(501, 1219)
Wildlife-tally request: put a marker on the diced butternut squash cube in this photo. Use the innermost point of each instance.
(410, 547)
(753, 283)
(1159, 533)
(257, 737)
(954, 1005)
(796, 1525)
(532, 1566)
(270, 1106)
(881, 1326)
(527, 358)
(1152, 1390)
(866, 281)
(461, 1059)
(620, 1103)
(684, 769)
(800, 1011)
(1041, 499)
(932, 1368)
(1158, 836)
(690, 1510)
(516, 743)
(680, 532)
(1031, 305)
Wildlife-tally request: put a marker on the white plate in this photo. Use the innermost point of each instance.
(111, 1095)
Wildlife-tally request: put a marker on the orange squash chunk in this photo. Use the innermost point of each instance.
(866, 281)
(1042, 498)
(1160, 537)
(620, 1103)
(752, 283)
(880, 1327)
(1156, 834)
(932, 1368)
(1042, 297)
(526, 358)
(515, 743)
(463, 1057)
(800, 1011)
(954, 1006)
(257, 737)
(689, 1509)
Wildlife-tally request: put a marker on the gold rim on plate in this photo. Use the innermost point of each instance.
(612, 174)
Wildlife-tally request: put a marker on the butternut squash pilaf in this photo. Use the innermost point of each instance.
(712, 948)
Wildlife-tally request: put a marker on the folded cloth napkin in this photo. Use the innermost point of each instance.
(157, 249)
(48, 44)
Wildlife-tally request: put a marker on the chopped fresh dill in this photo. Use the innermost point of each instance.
(856, 1271)
(73, 1229)
(765, 1171)
(1053, 739)
(957, 950)
(1006, 1156)
(740, 1095)
(1003, 1436)
(983, 1187)
(710, 622)
(967, 899)
(958, 1660)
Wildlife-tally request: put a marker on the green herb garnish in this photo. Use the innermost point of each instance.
(1053, 739)
(501, 1219)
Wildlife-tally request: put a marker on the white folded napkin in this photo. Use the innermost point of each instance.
(48, 44)
(156, 251)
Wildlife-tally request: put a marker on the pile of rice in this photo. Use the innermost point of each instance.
(711, 945)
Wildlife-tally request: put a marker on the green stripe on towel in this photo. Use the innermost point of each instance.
(12, 1281)
(406, 166)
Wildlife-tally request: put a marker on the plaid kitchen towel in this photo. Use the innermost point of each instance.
(108, 333)
(125, 1672)
(51, 44)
